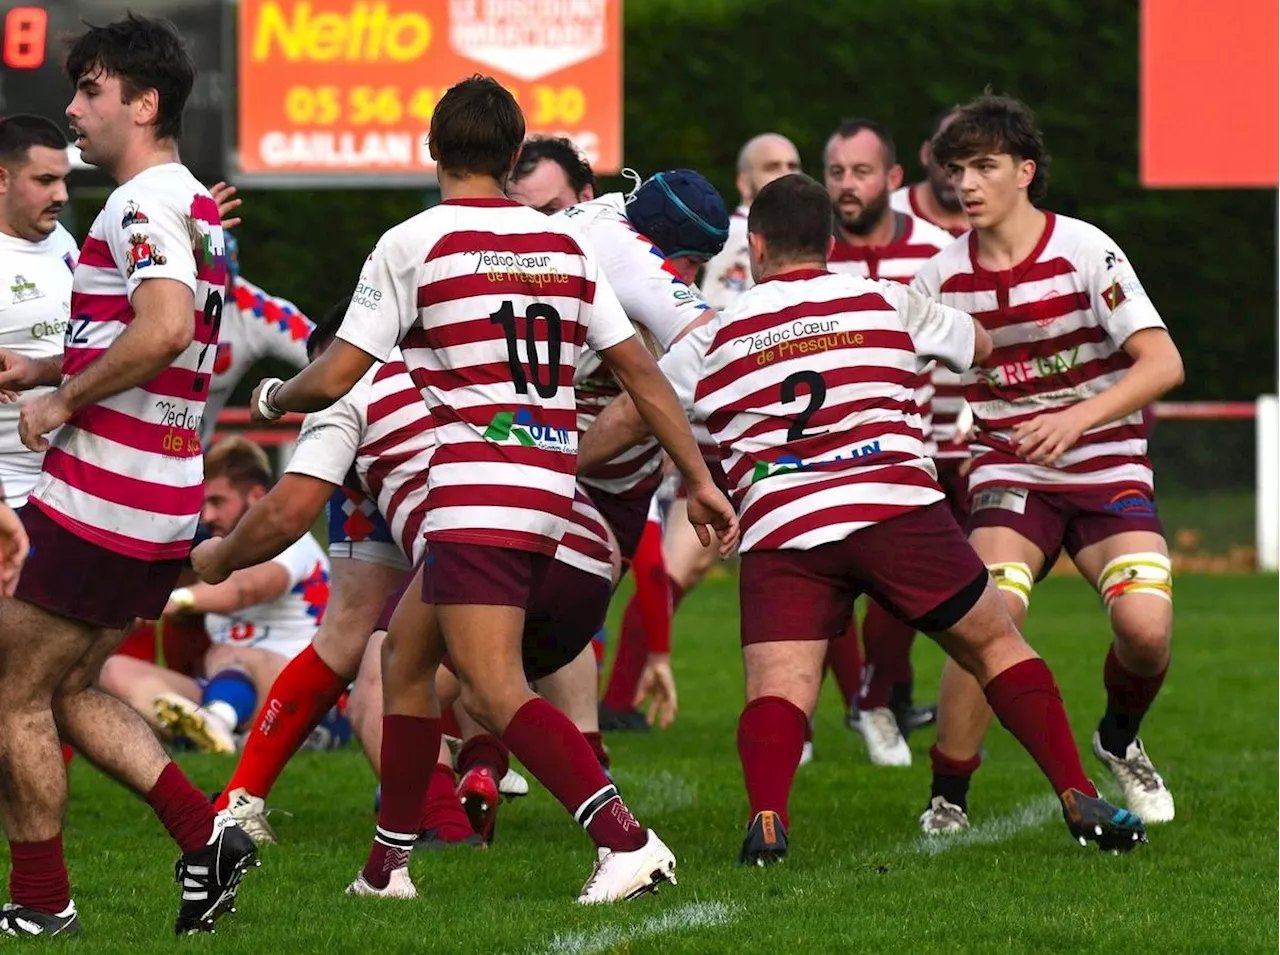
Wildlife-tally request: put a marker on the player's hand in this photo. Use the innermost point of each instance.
(14, 548)
(206, 563)
(1046, 438)
(224, 195)
(39, 416)
(708, 508)
(255, 409)
(17, 373)
(658, 686)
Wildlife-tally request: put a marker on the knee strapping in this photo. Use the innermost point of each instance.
(1147, 573)
(1013, 577)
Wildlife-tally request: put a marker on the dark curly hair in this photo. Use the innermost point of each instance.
(996, 124)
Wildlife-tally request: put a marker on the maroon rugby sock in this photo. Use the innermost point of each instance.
(1026, 700)
(554, 751)
(771, 734)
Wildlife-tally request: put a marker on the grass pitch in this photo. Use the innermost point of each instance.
(860, 876)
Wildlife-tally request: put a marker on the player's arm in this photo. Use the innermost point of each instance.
(1123, 309)
(324, 453)
(20, 373)
(651, 295)
(162, 328)
(273, 523)
(940, 332)
(254, 585)
(383, 307)
(621, 426)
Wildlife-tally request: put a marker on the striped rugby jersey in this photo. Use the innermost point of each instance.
(914, 243)
(808, 389)
(376, 442)
(1059, 320)
(656, 301)
(492, 305)
(127, 473)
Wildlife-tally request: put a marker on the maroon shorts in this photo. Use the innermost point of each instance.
(566, 612)
(626, 513)
(71, 577)
(1070, 519)
(456, 573)
(918, 566)
(955, 485)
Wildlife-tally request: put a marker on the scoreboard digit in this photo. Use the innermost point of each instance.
(26, 30)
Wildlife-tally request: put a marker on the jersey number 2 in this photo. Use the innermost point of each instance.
(212, 315)
(817, 395)
(547, 385)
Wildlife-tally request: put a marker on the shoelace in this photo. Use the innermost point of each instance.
(1141, 768)
(884, 726)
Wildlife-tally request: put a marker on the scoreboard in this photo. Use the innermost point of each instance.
(33, 47)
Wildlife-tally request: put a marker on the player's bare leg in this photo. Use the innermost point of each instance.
(48, 669)
(308, 687)
(963, 712)
(442, 821)
(484, 647)
(411, 652)
(783, 680)
(1022, 693)
(138, 683)
(1134, 577)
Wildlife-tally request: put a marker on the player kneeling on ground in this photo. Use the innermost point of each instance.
(807, 388)
(258, 619)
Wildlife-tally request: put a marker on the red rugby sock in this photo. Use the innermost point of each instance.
(771, 734)
(554, 751)
(298, 700)
(844, 657)
(887, 643)
(1026, 700)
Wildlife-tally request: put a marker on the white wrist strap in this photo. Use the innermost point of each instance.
(266, 407)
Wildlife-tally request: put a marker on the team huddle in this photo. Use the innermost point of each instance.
(921, 394)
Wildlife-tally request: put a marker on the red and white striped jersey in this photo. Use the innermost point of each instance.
(807, 388)
(915, 242)
(657, 302)
(1059, 320)
(127, 473)
(904, 200)
(379, 438)
(492, 305)
(944, 408)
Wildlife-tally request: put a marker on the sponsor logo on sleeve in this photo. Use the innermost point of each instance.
(133, 216)
(1121, 290)
(143, 253)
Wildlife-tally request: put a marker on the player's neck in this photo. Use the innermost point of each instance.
(469, 187)
(882, 234)
(771, 270)
(141, 156)
(1009, 242)
(935, 211)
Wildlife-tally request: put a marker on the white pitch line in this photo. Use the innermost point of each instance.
(692, 915)
(706, 914)
(1028, 816)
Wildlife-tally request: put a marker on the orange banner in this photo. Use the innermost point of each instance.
(344, 89)
(1209, 103)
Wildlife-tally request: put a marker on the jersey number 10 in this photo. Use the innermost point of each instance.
(546, 384)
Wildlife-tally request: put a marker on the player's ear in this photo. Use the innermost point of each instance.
(895, 176)
(926, 154)
(1026, 172)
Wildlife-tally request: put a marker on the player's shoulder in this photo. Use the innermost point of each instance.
(900, 199)
(63, 242)
(608, 209)
(923, 232)
(167, 185)
(1078, 240)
